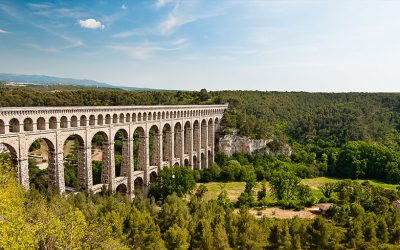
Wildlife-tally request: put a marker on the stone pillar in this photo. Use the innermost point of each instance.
(196, 145)
(21, 126)
(108, 164)
(59, 169)
(189, 144)
(172, 147)
(182, 147)
(146, 156)
(125, 158)
(52, 170)
(88, 163)
(167, 147)
(111, 169)
(206, 145)
(211, 141)
(82, 169)
(23, 172)
(131, 167)
(158, 150)
(178, 145)
(143, 155)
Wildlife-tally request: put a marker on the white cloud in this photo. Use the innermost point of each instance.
(123, 7)
(124, 34)
(161, 3)
(177, 17)
(38, 6)
(182, 41)
(3, 31)
(91, 24)
(169, 24)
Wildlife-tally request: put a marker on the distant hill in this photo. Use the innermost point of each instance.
(51, 80)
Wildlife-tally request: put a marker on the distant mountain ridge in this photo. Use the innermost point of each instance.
(52, 80)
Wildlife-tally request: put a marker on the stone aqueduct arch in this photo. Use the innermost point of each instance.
(184, 136)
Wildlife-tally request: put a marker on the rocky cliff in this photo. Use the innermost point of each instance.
(229, 144)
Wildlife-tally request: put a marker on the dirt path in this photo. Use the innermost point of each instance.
(279, 213)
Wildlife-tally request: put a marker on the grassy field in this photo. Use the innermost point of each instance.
(235, 188)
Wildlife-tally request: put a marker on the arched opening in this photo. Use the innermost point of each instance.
(138, 184)
(186, 162)
(149, 116)
(139, 118)
(121, 118)
(204, 134)
(210, 133)
(128, 118)
(53, 123)
(64, 122)
(100, 120)
(83, 121)
(41, 164)
(210, 157)
(41, 123)
(163, 115)
(159, 116)
(187, 138)
(154, 146)
(14, 125)
(176, 164)
(100, 158)
(28, 124)
(74, 164)
(153, 176)
(92, 120)
(74, 121)
(178, 140)
(121, 153)
(8, 157)
(121, 188)
(167, 115)
(194, 163)
(115, 118)
(196, 136)
(216, 127)
(133, 117)
(203, 161)
(139, 149)
(154, 116)
(144, 117)
(167, 143)
(2, 127)
(108, 119)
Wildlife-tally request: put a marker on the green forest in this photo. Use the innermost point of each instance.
(353, 137)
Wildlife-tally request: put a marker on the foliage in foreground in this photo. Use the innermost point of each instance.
(362, 218)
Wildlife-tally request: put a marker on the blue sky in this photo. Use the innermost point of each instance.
(250, 44)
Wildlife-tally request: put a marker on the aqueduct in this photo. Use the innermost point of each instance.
(153, 137)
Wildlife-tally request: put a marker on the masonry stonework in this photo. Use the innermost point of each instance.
(180, 135)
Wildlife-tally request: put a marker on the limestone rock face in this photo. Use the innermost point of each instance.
(229, 144)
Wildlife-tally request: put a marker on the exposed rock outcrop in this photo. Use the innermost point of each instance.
(229, 144)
